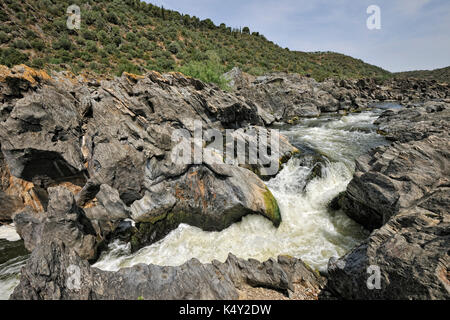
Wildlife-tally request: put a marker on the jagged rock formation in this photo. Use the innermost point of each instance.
(403, 192)
(46, 276)
(15, 193)
(85, 135)
(288, 97)
(64, 221)
(96, 158)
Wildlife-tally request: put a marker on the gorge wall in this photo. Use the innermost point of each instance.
(91, 161)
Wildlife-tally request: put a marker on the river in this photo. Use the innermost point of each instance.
(308, 231)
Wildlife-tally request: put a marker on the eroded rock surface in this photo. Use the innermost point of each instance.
(115, 137)
(288, 97)
(97, 158)
(50, 270)
(403, 192)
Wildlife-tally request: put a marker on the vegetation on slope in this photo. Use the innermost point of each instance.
(133, 36)
(441, 75)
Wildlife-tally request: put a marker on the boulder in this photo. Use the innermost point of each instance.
(64, 220)
(201, 197)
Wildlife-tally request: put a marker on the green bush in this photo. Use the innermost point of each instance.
(91, 46)
(117, 40)
(144, 44)
(30, 34)
(111, 17)
(210, 71)
(37, 63)
(131, 37)
(111, 49)
(11, 57)
(38, 44)
(63, 43)
(89, 35)
(21, 44)
(174, 47)
(104, 38)
(126, 66)
(4, 37)
(90, 17)
(165, 64)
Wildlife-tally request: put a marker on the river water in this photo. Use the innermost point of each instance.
(13, 256)
(308, 231)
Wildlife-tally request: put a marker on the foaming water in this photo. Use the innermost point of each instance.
(308, 230)
(9, 275)
(8, 232)
(13, 256)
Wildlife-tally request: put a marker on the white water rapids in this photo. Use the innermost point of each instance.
(308, 231)
(12, 257)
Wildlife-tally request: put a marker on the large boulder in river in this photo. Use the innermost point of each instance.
(402, 193)
(202, 197)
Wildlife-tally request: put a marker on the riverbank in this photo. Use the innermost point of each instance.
(96, 157)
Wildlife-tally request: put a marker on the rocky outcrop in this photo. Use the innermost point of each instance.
(63, 221)
(56, 272)
(100, 159)
(111, 143)
(402, 191)
(215, 205)
(288, 97)
(16, 194)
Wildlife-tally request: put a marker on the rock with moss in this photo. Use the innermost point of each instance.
(203, 197)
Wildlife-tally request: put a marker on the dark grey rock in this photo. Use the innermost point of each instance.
(52, 270)
(64, 220)
(402, 193)
(290, 96)
(113, 140)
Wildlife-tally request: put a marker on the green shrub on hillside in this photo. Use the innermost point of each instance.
(4, 37)
(11, 57)
(210, 70)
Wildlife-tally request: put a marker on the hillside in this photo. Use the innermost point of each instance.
(441, 75)
(134, 36)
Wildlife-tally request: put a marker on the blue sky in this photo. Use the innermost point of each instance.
(414, 34)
